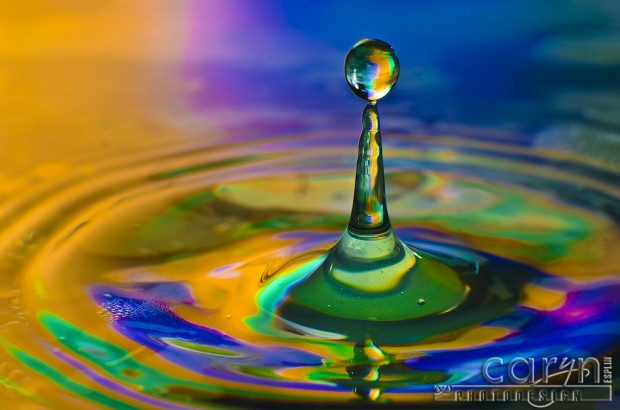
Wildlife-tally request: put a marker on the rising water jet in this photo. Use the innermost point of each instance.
(370, 274)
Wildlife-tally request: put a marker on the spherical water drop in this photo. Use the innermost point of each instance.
(421, 301)
(371, 69)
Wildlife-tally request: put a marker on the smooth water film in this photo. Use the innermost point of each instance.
(238, 272)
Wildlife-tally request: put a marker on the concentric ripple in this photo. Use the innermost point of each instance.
(154, 280)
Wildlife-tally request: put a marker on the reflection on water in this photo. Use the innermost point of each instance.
(166, 182)
(158, 278)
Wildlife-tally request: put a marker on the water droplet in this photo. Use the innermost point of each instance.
(371, 69)
(370, 258)
(421, 301)
(228, 316)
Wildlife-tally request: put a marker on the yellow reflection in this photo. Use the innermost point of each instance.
(85, 77)
(541, 298)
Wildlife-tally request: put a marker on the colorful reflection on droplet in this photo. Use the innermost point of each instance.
(371, 69)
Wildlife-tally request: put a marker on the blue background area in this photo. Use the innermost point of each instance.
(519, 66)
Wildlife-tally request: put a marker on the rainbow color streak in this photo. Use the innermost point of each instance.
(172, 171)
